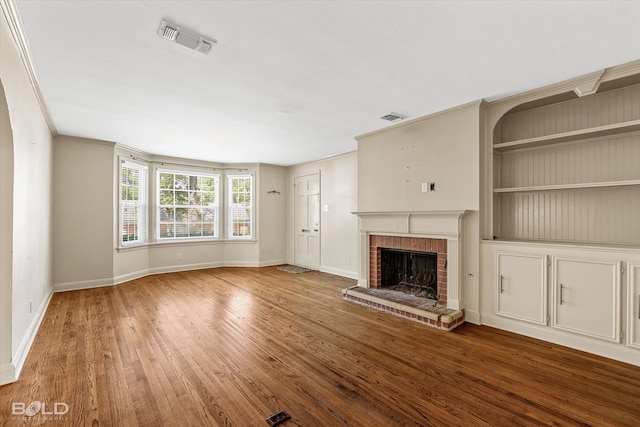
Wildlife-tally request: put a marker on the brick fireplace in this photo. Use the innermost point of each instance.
(415, 244)
(434, 232)
(440, 231)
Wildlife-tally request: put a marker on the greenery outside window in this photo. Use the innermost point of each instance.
(133, 203)
(187, 205)
(240, 207)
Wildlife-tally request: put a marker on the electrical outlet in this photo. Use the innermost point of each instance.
(432, 186)
(425, 187)
(179, 256)
(347, 261)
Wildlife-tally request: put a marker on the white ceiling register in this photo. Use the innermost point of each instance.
(432, 224)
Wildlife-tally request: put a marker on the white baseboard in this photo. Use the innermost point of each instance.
(83, 284)
(248, 264)
(611, 350)
(7, 374)
(339, 272)
(97, 283)
(130, 276)
(185, 267)
(472, 316)
(271, 263)
(21, 353)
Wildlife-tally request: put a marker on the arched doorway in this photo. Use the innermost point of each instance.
(7, 370)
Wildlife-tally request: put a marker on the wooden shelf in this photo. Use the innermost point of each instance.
(540, 141)
(568, 186)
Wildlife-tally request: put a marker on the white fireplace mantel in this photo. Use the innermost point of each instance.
(429, 224)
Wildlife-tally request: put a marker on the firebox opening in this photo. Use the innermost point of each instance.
(411, 272)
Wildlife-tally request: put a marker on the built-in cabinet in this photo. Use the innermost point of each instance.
(521, 287)
(586, 297)
(579, 295)
(561, 212)
(633, 306)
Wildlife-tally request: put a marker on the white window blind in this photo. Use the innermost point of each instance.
(187, 205)
(240, 206)
(133, 203)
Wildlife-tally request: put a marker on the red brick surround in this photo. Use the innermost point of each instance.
(438, 246)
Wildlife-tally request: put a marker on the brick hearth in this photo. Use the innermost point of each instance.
(399, 304)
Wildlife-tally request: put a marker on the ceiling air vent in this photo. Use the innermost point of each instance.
(169, 32)
(393, 116)
(185, 37)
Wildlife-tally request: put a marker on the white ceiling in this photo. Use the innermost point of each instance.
(294, 81)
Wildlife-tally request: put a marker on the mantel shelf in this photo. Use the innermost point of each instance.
(539, 141)
(568, 186)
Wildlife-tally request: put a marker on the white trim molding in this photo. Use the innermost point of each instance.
(10, 12)
(20, 356)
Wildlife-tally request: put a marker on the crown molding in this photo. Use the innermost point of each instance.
(595, 78)
(10, 12)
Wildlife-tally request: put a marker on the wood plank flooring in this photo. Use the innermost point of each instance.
(232, 346)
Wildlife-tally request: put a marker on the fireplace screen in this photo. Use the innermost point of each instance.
(411, 272)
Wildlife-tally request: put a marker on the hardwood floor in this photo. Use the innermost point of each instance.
(232, 346)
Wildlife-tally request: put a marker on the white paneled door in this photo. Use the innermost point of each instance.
(521, 287)
(586, 297)
(307, 220)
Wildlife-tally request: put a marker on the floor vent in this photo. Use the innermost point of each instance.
(279, 418)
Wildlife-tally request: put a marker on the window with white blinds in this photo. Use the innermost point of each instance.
(240, 206)
(133, 203)
(187, 205)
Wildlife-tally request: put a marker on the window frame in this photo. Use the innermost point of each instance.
(189, 172)
(143, 203)
(229, 207)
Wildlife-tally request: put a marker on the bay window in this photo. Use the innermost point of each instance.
(189, 203)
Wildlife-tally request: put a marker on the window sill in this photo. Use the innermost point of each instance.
(183, 243)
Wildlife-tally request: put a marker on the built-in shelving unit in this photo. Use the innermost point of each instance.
(561, 205)
(577, 135)
(570, 171)
(567, 186)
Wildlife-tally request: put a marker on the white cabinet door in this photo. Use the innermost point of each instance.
(586, 297)
(521, 287)
(633, 307)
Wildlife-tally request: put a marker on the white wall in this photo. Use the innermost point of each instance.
(339, 227)
(443, 148)
(6, 238)
(86, 252)
(272, 214)
(31, 281)
(82, 212)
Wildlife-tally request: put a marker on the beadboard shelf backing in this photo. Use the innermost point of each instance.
(569, 172)
(616, 108)
(568, 186)
(576, 135)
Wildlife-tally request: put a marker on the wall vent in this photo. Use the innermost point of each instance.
(393, 116)
(185, 37)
